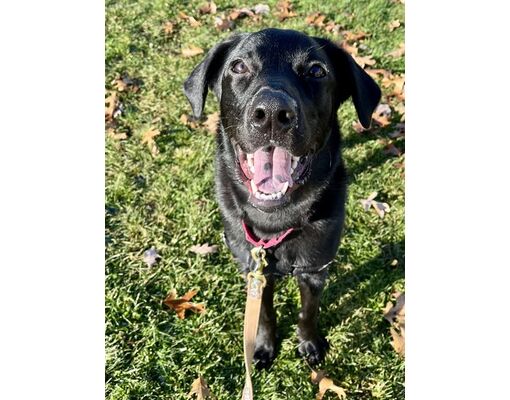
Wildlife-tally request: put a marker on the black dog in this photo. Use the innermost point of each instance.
(279, 171)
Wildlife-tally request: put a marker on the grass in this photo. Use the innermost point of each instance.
(167, 201)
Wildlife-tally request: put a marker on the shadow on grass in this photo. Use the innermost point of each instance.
(363, 283)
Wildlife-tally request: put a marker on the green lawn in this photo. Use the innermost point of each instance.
(167, 201)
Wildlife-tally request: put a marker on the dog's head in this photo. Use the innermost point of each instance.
(279, 92)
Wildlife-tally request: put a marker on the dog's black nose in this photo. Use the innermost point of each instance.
(273, 110)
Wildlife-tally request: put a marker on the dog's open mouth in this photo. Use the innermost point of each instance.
(271, 173)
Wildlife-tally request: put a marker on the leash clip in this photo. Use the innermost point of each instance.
(256, 279)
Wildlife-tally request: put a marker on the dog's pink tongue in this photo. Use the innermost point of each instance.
(272, 169)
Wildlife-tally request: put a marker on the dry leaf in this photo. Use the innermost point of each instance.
(126, 83)
(364, 60)
(374, 73)
(381, 115)
(352, 50)
(358, 128)
(148, 137)
(204, 249)
(381, 120)
(399, 132)
(191, 51)
(241, 13)
(261, 9)
(168, 28)
(211, 123)
(111, 105)
(393, 25)
(316, 19)
(392, 150)
(284, 10)
(116, 135)
(380, 208)
(191, 20)
(366, 203)
(208, 8)
(332, 27)
(326, 384)
(398, 52)
(200, 388)
(151, 256)
(223, 24)
(354, 37)
(188, 120)
(182, 304)
(395, 315)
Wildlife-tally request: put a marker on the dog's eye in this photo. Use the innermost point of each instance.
(239, 67)
(316, 71)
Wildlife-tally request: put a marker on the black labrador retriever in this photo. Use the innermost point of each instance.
(280, 178)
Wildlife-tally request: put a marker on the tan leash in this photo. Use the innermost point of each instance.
(255, 288)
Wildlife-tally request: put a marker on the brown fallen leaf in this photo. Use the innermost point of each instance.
(223, 24)
(381, 120)
(168, 28)
(394, 25)
(204, 249)
(398, 52)
(354, 36)
(200, 388)
(241, 13)
(126, 83)
(180, 305)
(382, 114)
(208, 8)
(358, 128)
(188, 120)
(332, 27)
(191, 51)
(316, 19)
(111, 105)
(261, 9)
(325, 384)
(378, 73)
(188, 18)
(400, 131)
(363, 61)
(111, 133)
(211, 123)
(395, 315)
(392, 150)
(352, 50)
(380, 208)
(148, 138)
(284, 10)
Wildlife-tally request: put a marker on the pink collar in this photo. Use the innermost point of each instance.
(266, 244)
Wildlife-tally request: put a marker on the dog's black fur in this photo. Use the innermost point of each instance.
(283, 65)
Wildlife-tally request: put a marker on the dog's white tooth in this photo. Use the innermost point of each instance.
(253, 187)
(284, 189)
(258, 195)
(249, 158)
(279, 195)
(274, 196)
(294, 164)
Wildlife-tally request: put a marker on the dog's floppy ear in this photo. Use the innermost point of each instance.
(207, 74)
(353, 82)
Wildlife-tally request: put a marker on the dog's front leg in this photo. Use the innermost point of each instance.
(265, 346)
(311, 344)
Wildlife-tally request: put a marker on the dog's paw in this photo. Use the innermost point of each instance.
(264, 356)
(313, 350)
